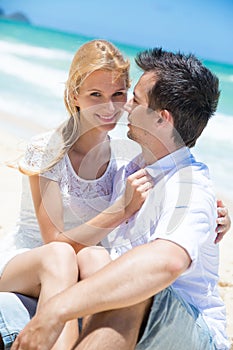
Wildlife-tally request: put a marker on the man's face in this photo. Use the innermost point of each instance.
(141, 118)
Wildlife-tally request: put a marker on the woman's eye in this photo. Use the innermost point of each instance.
(96, 94)
(119, 93)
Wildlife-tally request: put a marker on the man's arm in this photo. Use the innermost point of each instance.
(134, 277)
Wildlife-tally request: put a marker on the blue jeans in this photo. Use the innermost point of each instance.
(173, 324)
(13, 317)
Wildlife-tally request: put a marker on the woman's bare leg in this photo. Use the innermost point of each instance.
(63, 273)
(43, 272)
(92, 259)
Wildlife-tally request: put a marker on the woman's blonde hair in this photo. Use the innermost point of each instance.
(90, 57)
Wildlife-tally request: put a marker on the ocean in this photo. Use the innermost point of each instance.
(34, 66)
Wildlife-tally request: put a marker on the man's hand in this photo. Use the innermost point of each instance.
(223, 221)
(40, 333)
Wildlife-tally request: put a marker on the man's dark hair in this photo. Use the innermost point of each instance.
(184, 87)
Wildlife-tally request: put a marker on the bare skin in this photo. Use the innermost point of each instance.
(121, 326)
(41, 281)
(109, 293)
(223, 221)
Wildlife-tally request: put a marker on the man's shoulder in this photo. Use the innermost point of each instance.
(191, 170)
(191, 186)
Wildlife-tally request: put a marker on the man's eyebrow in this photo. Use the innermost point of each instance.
(136, 96)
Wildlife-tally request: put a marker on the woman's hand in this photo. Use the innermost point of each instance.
(223, 221)
(138, 186)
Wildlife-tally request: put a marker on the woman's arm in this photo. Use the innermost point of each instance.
(49, 211)
(48, 207)
(223, 221)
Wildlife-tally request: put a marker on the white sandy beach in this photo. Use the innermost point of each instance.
(10, 189)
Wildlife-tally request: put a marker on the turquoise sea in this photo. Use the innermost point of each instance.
(34, 63)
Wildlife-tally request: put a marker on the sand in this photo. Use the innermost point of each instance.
(10, 188)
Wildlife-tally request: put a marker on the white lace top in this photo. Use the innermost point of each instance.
(82, 199)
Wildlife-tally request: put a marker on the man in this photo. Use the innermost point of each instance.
(162, 286)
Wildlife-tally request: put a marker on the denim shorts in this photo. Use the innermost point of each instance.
(173, 324)
(13, 317)
(16, 310)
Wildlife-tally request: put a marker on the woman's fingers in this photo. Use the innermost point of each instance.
(137, 189)
(223, 221)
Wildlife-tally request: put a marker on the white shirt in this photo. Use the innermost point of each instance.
(81, 199)
(181, 208)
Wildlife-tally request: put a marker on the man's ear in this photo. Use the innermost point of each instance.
(165, 117)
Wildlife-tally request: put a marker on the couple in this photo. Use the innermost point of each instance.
(164, 274)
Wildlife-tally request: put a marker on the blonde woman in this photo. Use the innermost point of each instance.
(71, 172)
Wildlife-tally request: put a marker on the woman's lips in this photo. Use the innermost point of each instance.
(107, 118)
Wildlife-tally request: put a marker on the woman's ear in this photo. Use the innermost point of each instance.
(75, 99)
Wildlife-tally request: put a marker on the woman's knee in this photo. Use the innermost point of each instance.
(92, 259)
(59, 258)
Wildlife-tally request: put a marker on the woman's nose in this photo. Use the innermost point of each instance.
(109, 106)
(129, 106)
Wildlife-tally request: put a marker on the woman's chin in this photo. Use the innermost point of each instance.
(108, 127)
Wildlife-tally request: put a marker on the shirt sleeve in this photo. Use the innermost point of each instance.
(41, 150)
(189, 223)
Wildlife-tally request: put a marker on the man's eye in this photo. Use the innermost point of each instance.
(96, 94)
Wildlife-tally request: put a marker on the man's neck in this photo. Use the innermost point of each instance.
(151, 156)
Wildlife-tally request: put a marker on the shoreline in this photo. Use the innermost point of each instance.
(11, 147)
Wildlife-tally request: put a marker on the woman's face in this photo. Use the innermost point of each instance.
(101, 99)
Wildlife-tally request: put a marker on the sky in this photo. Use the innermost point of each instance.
(203, 27)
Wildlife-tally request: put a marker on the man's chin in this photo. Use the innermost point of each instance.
(129, 135)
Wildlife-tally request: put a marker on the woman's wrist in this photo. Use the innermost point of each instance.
(124, 211)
